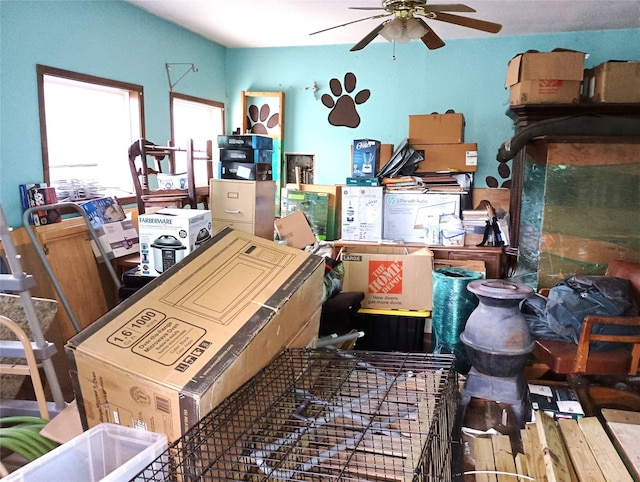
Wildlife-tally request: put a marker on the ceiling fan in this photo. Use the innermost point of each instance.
(408, 24)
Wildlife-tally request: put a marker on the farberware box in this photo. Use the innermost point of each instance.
(168, 235)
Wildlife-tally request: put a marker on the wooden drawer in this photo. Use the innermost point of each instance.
(219, 225)
(233, 201)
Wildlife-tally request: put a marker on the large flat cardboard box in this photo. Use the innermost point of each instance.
(362, 213)
(448, 157)
(545, 77)
(391, 277)
(436, 128)
(613, 82)
(408, 215)
(170, 353)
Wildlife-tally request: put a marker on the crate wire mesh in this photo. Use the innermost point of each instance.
(315, 414)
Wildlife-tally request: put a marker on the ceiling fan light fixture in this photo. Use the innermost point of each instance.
(393, 30)
(403, 30)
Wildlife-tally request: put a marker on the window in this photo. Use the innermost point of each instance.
(87, 125)
(200, 120)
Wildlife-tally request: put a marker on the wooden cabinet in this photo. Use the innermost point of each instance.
(247, 206)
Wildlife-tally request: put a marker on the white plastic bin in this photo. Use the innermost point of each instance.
(106, 452)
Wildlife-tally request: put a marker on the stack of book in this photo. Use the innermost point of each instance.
(403, 183)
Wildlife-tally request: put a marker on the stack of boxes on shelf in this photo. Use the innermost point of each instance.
(246, 157)
(559, 77)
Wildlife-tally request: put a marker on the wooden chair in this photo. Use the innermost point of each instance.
(178, 198)
(571, 359)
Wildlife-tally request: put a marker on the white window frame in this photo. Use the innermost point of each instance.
(201, 120)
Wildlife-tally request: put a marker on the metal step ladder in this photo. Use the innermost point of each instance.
(19, 282)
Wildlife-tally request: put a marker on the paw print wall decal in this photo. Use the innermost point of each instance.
(260, 119)
(343, 110)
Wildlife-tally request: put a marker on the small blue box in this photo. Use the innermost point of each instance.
(245, 142)
(365, 158)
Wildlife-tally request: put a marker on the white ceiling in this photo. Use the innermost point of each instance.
(287, 23)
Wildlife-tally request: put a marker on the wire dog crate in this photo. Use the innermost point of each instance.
(325, 415)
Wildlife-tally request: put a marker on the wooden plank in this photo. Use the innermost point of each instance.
(625, 436)
(503, 456)
(621, 416)
(531, 442)
(553, 453)
(485, 463)
(603, 450)
(522, 467)
(582, 458)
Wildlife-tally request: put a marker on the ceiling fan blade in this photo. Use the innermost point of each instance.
(368, 38)
(447, 7)
(349, 23)
(467, 22)
(430, 39)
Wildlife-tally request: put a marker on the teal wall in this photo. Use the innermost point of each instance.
(110, 39)
(465, 75)
(116, 40)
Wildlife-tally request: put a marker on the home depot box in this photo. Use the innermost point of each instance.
(334, 204)
(172, 351)
(447, 157)
(362, 208)
(545, 77)
(436, 128)
(391, 277)
(613, 81)
(407, 215)
(168, 235)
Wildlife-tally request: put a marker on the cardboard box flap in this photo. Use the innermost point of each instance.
(560, 64)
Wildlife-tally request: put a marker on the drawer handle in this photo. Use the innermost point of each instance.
(231, 211)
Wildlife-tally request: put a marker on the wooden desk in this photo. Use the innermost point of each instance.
(492, 257)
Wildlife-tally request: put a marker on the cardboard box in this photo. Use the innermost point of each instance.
(169, 235)
(391, 277)
(407, 214)
(556, 401)
(365, 158)
(614, 82)
(386, 151)
(246, 171)
(362, 210)
(117, 239)
(295, 230)
(436, 128)
(102, 211)
(315, 206)
(171, 352)
(247, 155)
(39, 194)
(172, 181)
(245, 142)
(334, 208)
(545, 77)
(447, 157)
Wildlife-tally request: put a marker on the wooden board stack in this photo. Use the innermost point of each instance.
(564, 451)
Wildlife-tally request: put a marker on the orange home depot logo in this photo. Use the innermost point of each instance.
(385, 277)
